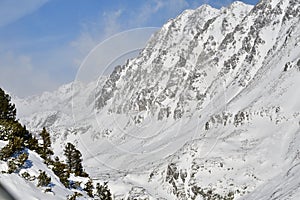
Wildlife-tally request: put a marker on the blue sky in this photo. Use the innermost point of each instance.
(44, 41)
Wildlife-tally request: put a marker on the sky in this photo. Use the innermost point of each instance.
(43, 42)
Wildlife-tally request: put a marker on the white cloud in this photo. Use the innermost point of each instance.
(145, 12)
(112, 52)
(93, 33)
(83, 42)
(112, 22)
(175, 6)
(19, 77)
(12, 10)
(165, 8)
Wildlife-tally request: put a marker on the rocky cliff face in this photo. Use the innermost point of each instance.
(172, 74)
(208, 110)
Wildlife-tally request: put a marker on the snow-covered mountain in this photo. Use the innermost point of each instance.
(210, 108)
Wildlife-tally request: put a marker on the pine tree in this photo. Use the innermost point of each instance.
(33, 144)
(103, 192)
(61, 170)
(7, 109)
(21, 131)
(12, 167)
(43, 179)
(68, 152)
(12, 129)
(14, 145)
(7, 130)
(6, 152)
(22, 159)
(16, 163)
(74, 160)
(46, 151)
(78, 169)
(88, 187)
(74, 196)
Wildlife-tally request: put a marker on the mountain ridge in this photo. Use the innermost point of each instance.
(205, 109)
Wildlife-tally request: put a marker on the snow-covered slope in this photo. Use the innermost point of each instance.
(209, 107)
(24, 189)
